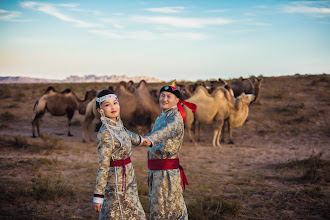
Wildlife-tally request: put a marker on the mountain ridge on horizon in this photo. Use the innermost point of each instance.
(77, 79)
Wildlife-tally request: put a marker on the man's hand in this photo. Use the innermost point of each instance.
(97, 207)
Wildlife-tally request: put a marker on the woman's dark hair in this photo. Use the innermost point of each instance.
(102, 93)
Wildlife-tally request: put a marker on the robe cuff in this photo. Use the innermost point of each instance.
(152, 143)
(98, 198)
(141, 140)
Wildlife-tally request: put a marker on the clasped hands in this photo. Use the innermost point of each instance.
(146, 142)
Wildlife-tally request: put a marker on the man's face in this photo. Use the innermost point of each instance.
(167, 100)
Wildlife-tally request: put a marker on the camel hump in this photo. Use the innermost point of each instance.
(142, 82)
(66, 91)
(50, 88)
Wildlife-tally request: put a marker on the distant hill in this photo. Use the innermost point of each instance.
(77, 79)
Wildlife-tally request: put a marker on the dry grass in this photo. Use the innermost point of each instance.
(270, 172)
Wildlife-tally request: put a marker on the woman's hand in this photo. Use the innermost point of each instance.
(146, 141)
(97, 207)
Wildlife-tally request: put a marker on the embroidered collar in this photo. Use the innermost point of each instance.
(167, 110)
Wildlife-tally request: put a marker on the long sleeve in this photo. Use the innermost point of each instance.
(105, 148)
(135, 138)
(165, 129)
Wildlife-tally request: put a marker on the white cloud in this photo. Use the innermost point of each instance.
(147, 35)
(216, 11)
(118, 14)
(250, 14)
(118, 26)
(94, 12)
(182, 22)
(142, 35)
(51, 9)
(308, 7)
(261, 24)
(11, 16)
(186, 36)
(169, 10)
(106, 34)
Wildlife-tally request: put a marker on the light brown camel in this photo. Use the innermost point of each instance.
(90, 114)
(214, 109)
(59, 104)
(242, 85)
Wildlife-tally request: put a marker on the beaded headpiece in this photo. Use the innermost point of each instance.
(105, 97)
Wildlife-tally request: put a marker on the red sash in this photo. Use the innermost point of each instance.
(168, 164)
(119, 163)
(190, 105)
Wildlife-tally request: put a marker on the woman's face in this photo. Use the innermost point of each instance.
(167, 100)
(111, 108)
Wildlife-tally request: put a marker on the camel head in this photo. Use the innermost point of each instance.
(245, 99)
(90, 94)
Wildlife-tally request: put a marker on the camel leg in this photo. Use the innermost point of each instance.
(191, 134)
(226, 124)
(85, 126)
(217, 133)
(199, 131)
(36, 123)
(70, 116)
(89, 130)
(230, 135)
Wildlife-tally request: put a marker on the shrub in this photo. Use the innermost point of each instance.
(212, 207)
(51, 142)
(76, 123)
(5, 92)
(7, 116)
(11, 191)
(17, 142)
(49, 188)
(21, 142)
(314, 172)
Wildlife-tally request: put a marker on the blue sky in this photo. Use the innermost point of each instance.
(164, 39)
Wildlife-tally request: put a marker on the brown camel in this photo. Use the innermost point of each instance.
(138, 110)
(148, 110)
(214, 109)
(242, 85)
(60, 104)
(128, 104)
(130, 86)
(214, 84)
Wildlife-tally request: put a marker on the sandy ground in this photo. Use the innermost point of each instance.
(244, 171)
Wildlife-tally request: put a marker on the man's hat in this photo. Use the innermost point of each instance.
(171, 89)
(177, 93)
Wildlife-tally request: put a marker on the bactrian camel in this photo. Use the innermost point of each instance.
(242, 85)
(59, 104)
(138, 110)
(214, 109)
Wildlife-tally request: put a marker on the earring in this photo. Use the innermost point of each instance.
(102, 115)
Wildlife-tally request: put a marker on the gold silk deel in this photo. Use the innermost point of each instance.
(165, 189)
(117, 203)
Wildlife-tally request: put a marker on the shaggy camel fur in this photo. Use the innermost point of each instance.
(59, 104)
(214, 109)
